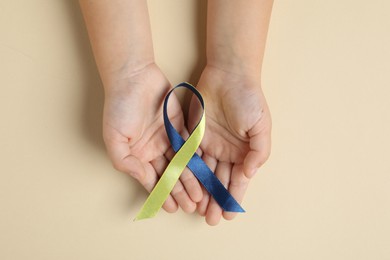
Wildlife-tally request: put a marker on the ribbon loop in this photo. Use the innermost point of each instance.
(186, 156)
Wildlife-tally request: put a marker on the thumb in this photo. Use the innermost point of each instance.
(123, 161)
(260, 149)
(134, 167)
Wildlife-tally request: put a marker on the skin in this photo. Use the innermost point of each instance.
(133, 127)
(237, 140)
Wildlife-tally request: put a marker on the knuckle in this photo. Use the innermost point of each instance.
(189, 207)
(239, 182)
(189, 180)
(119, 166)
(178, 189)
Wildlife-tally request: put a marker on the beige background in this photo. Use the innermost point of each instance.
(324, 193)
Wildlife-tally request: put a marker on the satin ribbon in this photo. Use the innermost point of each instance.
(186, 156)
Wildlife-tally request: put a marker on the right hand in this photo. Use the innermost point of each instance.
(134, 134)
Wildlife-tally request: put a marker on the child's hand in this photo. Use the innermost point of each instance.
(237, 139)
(134, 133)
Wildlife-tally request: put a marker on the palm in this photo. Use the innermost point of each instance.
(236, 139)
(134, 131)
(227, 137)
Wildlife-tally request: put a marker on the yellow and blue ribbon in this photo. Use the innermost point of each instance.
(186, 156)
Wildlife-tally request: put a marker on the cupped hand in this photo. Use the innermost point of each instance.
(134, 133)
(237, 139)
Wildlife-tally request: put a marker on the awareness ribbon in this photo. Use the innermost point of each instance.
(186, 156)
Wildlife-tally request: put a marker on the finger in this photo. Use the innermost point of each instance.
(202, 205)
(119, 153)
(150, 181)
(260, 149)
(214, 211)
(182, 198)
(188, 180)
(178, 192)
(121, 158)
(159, 165)
(237, 188)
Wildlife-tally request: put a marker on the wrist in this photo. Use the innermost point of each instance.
(233, 71)
(118, 78)
(235, 64)
(217, 78)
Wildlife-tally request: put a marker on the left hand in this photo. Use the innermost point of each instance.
(237, 139)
